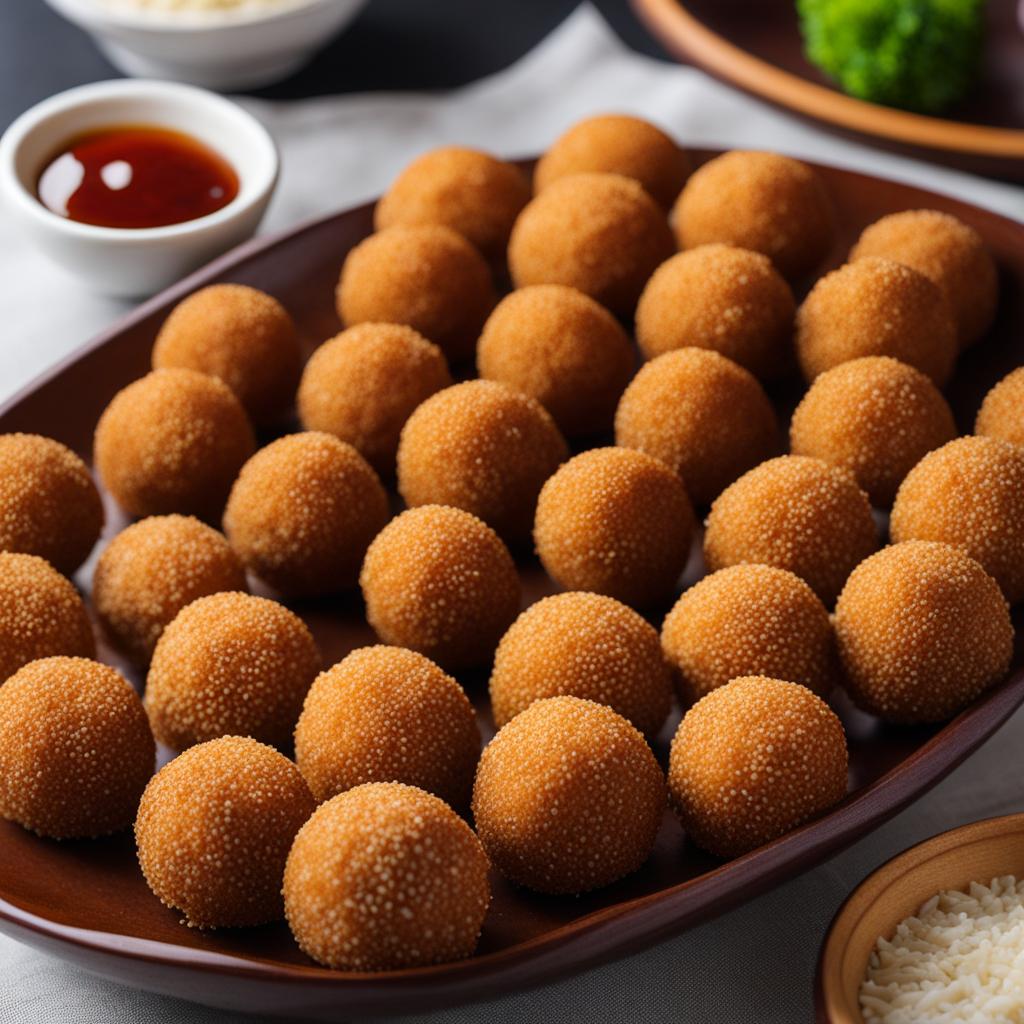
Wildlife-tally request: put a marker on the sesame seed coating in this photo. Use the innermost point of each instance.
(703, 415)
(483, 447)
(240, 335)
(230, 664)
(151, 570)
(302, 513)
(440, 581)
(172, 441)
(617, 522)
(723, 298)
(752, 760)
(387, 714)
(876, 307)
(922, 631)
(363, 384)
(386, 876)
(766, 202)
(568, 797)
(599, 233)
(75, 749)
(795, 513)
(969, 493)
(875, 417)
(49, 505)
(749, 620)
(426, 276)
(562, 348)
(1002, 413)
(214, 829)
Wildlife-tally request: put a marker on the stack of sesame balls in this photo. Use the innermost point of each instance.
(343, 799)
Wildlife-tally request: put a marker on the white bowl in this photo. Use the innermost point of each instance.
(232, 50)
(137, 261)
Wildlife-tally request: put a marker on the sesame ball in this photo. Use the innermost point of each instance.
(723, 298)
(703, 415)
(173, 441)
(969, 493)
(1002, 413)
(383, 877)
(214, 829)
(75, 749)
(242, 336)
(387, 714)
(749, 620)
(483, 447)
(876, 307)
(562, 348)
(752, 760)
(795, 513)
(230, 664)
(618, 144)
(302, 513)
(474, 193)
(616, 522)
(947, 251)
(440, 581)
(49, 505)
(765, 202)
(922, 630)
(41, 614)
(363, 384)
(426, 276)
(151, 570)
(599, 233)
(568, 797)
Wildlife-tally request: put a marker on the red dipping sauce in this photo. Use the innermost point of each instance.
(136, 176)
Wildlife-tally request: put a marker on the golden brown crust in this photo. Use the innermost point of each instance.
(1002, 413)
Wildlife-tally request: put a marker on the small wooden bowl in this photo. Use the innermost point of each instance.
(977, 852)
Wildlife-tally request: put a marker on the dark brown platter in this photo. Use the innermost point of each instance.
(86, 901)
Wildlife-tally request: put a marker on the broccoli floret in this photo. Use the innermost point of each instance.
(916, 54)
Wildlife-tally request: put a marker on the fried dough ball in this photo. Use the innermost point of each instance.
(1002, 413)
(969, 493)
(75, 749)
(151, 570)
(386, 714)
(562, 348)
(766, 202)
(703, 415)
(582, 645)
(618, 144)
(230, 664)
(384, 877)
(947, 251)
(440, 581)
(876, 307)
(214, 829)
(723, 298)
(753, 760)
(749, 620)
(795, 513)
(474, 193)
(483, 447)
(616, 522)
(302, 513)
(41, 614)
(568, 797)
(874, 417)
(922, 631)
(426, 276)
(242, 336)
(173, 441)
(363, 384)
(49, 505)
(599, 233)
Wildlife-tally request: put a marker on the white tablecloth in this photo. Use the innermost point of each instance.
(752, 965)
